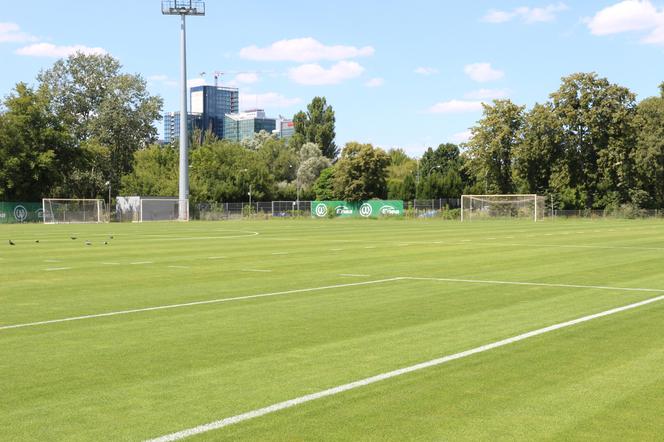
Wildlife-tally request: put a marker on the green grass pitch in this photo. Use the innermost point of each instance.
(146, 373)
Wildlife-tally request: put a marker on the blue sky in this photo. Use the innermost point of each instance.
(398, 73)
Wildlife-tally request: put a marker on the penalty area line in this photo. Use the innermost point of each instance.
(390, 374)
(195, 303)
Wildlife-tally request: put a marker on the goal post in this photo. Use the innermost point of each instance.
(73, 211)
(163, 209)
(525, 206)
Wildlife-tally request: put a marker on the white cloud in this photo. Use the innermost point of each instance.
(163, 80)
(375, 82)
(314, 74)
(483, 72)
(51, 50)
(267, 100)
(630, 16)
(526, 14)
(455, 107)
(193, 82)
(246, 78)
(303, 50)
(487, 94)
(461, 137)
(422, 70)
(11, 33)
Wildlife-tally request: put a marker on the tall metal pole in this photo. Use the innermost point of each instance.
(184, 120)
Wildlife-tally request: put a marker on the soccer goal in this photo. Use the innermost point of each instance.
(474, 207)
(163, 209)
(73, 211)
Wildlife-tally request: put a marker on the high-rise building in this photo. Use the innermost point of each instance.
(285, 128)
(213, 103)
(172, 125)
(239, 126)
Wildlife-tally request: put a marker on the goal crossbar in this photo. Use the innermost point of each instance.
(73, 210)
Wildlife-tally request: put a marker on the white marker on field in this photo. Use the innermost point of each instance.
(55, 269)
(390, 374)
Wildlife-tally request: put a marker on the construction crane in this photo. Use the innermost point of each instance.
(218, 74)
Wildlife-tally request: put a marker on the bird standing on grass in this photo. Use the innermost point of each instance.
(88, 243)
(73, 237)
(11, 243)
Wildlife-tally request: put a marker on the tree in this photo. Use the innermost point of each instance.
(155, 172)
(400, 175)
(538, 153)
(323, 188)
(94, 100)
(35, 149)
(649, 154)
(441, 173)
(597, 123)
(490, 148)
(311, 164)
(317, 126)
(361, 173)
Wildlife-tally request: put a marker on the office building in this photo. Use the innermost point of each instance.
(172, 125)
(239, 126)
(285, 128)
(213, 103)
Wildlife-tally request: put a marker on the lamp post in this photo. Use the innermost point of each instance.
(183, 8)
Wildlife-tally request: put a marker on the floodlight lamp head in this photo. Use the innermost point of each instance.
(182, 7)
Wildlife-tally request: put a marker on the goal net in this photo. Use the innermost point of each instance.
(163, 209)
(66, 211)
(474, 207)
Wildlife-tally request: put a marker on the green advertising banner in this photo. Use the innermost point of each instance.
(11, 213)
(362, 209)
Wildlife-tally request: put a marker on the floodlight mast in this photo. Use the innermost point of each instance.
(183, 8)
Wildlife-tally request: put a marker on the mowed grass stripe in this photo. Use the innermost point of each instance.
(601, 380)
(389, 375)
(182, 366)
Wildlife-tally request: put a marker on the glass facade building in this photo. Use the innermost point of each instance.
(213, 103)
(239, 126)
(286, 128)
(172, 125)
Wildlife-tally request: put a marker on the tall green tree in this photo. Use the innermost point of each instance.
(361, 173)
(317, 125)
(538, 153)
(400, 175)
(441, 173)
(35, 149)
(323, 188)
(597, 122)
(490, 148)
(649, 154)
(94, 100)
(155, 172)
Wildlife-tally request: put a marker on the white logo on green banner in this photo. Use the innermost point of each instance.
(20, 213)
(321, 210)
(366, 210)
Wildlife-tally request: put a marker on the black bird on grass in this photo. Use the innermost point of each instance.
(105, 243)
(111, 237)
(88, 243)
(11, 243)
(73, 237)
(37, 241)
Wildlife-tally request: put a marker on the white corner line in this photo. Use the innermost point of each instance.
(353, 275)
(390, 374)
(55, 269)
(195, 303)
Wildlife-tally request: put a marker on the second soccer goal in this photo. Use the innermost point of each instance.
(476, 207)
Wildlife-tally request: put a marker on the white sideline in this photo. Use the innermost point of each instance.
(194, 303)
(391, 374)
(535, 284)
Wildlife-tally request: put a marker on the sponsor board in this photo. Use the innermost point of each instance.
(11, 213)
(362, 209)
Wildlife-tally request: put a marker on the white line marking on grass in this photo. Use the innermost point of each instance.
(353, 275)
(256, 270)
(336, 250)
(195, 303)
(52, 260)
(535, 284)
(280, 253)
(370, 247)
(391, 374)
(140, 263)
(110, 263)
(216, 257)
(179, 267)
(55, 269)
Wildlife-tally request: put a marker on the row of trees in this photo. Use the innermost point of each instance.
(85, 124)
